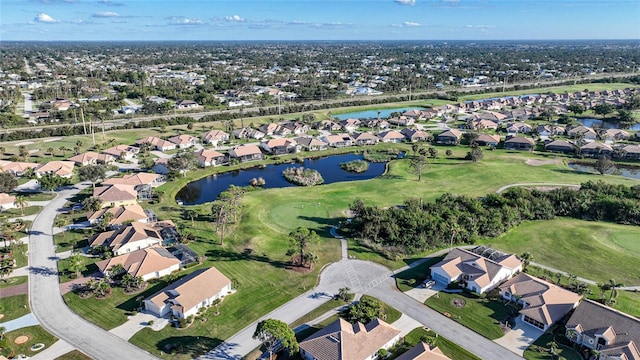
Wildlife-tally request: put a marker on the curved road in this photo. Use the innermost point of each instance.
(46, 300)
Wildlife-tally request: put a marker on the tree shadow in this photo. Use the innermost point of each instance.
(194, 346)
(247, 254)
(133, 303)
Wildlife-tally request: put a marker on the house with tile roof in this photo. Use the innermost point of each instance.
(156, 143)
(121, 215)
(519, 143)
(487, 140)
(244, 153)
(423, 351)
(614, 334)
(449, 137)
(342, 340)
(184, 141)
(474, 271)
(7, 202)
(91, 158)
(338, 140)
(415, 135)
(208, 157)
(116, 195)
(279, 146)
(560, 146)
(596, 149)
(187, 295)
(61, 168)
(392, 136)
(149, 263)
(122, 152)
(365, 138)
(543, 303)
(134, 236)
(214, 137)
(311, 144)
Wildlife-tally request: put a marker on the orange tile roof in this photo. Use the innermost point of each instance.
(121, 214)
(114, 193)
(141, 262)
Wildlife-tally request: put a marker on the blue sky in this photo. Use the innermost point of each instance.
(318, 19)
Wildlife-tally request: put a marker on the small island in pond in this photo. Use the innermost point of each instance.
(356, 166)
(302, 177)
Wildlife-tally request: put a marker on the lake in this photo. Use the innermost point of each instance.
(628, 172)
(366, 114)
(590, 122)
(207, 189)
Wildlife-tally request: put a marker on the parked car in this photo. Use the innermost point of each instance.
(77, 206)
(428, 283)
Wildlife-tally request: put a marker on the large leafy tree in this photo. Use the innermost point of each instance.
(92, 203)
(364, 311)
(50, 182)
(8, 182)
(300, 239)
(272, 332)
(92, 173)
(418, 164)
(182, 162)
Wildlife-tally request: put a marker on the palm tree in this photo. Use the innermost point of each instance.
(343, 293)
(62, 223)
(191, 214)
(21, 202)
(76, 264)
(50, 151)
(613, 287)
(63, 149)
(2, 150)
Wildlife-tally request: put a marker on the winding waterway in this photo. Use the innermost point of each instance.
(208, 188)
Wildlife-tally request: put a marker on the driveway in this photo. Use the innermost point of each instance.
(520, 337)
(46, 300)
(421, 294)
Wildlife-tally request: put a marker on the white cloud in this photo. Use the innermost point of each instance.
(178, 20)
(45, 18)
(110, 3)
(405, 2)
(105, 14)
(411, 24)
(235, 18)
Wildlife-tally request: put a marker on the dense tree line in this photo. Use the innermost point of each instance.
(456, 219)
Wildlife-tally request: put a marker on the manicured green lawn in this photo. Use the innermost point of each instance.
(448, 347)
(73, 355)
(36, 335)
(67, 275)
(12, 281)
(71, 239)
(44, 196)
(15, 213)
(539, 350)
(478, 314)
(593, 250)
(413, 277)
(554, 89)
(320, 310)
(13, 307)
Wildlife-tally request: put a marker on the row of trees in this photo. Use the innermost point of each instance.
(450, 219)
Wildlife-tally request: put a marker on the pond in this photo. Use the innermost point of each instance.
(208, 188)
(590, 122)
(366, 114)
(630, 172)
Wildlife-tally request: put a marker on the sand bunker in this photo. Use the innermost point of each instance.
(52, 139)
(21, 339)
(535, 162)
(24, 143)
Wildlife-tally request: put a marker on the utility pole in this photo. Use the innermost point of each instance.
(84, 125)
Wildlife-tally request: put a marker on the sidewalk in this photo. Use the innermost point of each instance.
(19, 323)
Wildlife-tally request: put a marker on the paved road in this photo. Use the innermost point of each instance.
(46, 301)
(502, 189)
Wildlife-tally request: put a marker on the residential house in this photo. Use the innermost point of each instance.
(562, 146)
(423, 351)
(518, 128)
(157, 143)
(342, 340)
(208, 157)
(116, 195)
(61, 168)
(449, 137)
(413, 113)
(121, 215)
(483, 124)
(244, 153)
(17, 168)
(549, 130)
(415, 135)
(582, 132)
(184, 141)
(377, 124)
(596, 149)
(519, 143)
(615, 134)
(149, 263)
(311, 144)
(478, 270)
(279, 146)
(614, 334)
(122, 152)
(339, 140)
(131, 237)
(295, 127)
(248, 133)
(142, 182)
(91, 158)
(350, 125)
(365, 138)
(631, 152)
(492, 116)
(214, 137)
(543, 303)
(186, 104)
(487, 140)
(269, 129)
(328, 125)
(402, 121)
(392, 136)
(7, 202)
(188, 295)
